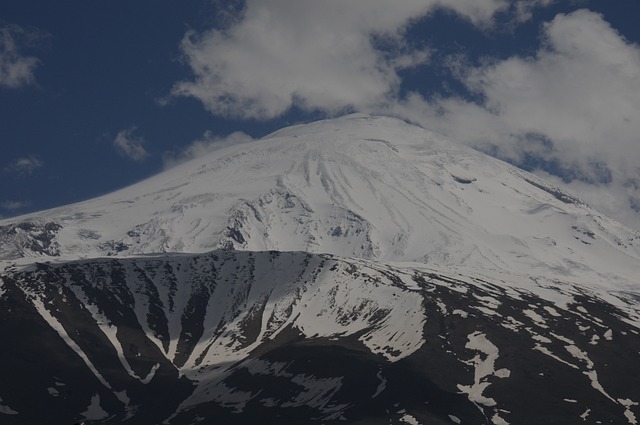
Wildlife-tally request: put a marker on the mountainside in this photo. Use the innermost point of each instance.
(273, 337)
(358, 270)
(374, 188)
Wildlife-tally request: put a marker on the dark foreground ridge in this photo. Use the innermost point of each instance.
(222, 338)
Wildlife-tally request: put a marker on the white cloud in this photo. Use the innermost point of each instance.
(13, 205)
(207, 143)
(575, 104)
(24, 166)
(129, 145)
(316, 55)
(16, 69)
(613, 199)
(581, 90)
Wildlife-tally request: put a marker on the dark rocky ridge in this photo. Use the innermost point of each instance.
(551, 352)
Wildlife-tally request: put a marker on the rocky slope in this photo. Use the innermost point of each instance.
(270, 337)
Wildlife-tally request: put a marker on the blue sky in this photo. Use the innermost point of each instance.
(96, 95)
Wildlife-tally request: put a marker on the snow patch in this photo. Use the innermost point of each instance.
(538, 319)
(497, 420)
(123, 397)
(4, 409)
(552, 311)
(151, 374)
(590, 372)
(593, 376)
(57, 326)
(461, 313)
(546, 351)
(484, 368)
(541, 338)
(408, 419)
(381, 386)
(94, 411)
(512, 324)
(108, 329)
(628, 404)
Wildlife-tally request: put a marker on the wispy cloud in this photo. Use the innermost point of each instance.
(13, 205)
(16, 69)
(24, 166)
(204, 145)
(130, 146)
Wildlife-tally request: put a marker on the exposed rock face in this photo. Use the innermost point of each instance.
(31, 237)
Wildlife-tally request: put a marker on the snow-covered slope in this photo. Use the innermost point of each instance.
(366, 187)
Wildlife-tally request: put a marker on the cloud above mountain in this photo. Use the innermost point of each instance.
(129, 145)
(13, 205)
(24, 166)
(209, 142)
(325, 56)
(16, 68)
(579, 91)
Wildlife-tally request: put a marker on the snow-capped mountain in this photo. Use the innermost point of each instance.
(356, 270)
(374, 188)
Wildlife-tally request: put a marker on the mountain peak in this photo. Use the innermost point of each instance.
(357, 186)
